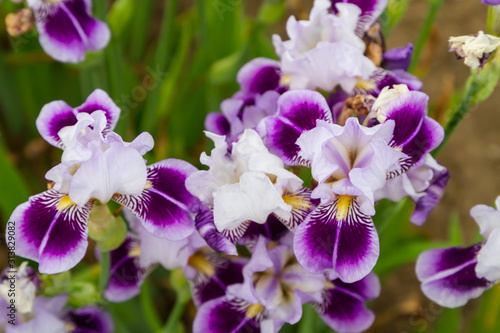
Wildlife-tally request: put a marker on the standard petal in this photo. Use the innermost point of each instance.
(370, 12)
(488, 266)
(53, 117)
(398, 58)
(298, 112)
(259, 75)
(99, 100)
(338, 236)
(164, 206)
(487, 218)
(52, 230)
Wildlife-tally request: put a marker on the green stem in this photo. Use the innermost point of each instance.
(100, 9)
(425, 34)
(183, 297)
(104, 272)
(148, 307)
(161, 60)
(141, 25)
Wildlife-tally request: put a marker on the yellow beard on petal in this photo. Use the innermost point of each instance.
(343, 204)
(64, 203)
(366, 85)
(297, 202)
(253, 310)
(201, 264)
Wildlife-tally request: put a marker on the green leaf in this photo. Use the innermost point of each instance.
(119, 16)
(455, 234)
(393, 13)
(14, 191)
(450, 321)
(225, 69)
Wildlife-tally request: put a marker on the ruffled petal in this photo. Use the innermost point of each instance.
(338, 236)
(52, 230)
(205, 225)
(488, 266)
(164, 205)
(370, 12)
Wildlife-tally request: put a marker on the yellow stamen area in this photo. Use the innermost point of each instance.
(343, 204)
(365, 84)
(64, 203)
(135, 252)
(201, 264)
(253, 310)
(329, 285)
(148, 185)
(285, 80)
(297, 202)
(398, 148)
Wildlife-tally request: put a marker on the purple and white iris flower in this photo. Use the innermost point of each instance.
(49, 316)
(451, 277)
(349, 163)
(247, 185)
(370, 12)
(67, 29)
(257, 98)
(324, 51)
(97, 165)
(273, 290)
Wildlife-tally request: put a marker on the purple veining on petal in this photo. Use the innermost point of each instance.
(53, 117)
(448, 275)
(165, 204)
(273, 230)
(204, 222)
(398, 58)
(52, 231)
(348, 245)
(298, 111)
(226, 272)
(370, 12)
(125, 276)
(90, 319)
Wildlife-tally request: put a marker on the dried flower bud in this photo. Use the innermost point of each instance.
(20, 22)
(474, 48)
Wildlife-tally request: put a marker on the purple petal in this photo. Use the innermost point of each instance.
(259, 75)
(490, 2)
(431, 198)
(125, 276)
(346, 242)
(448, 275)
(67, 30)
(408, 112)
(52, 230)
(386, 78)
(205, 225)
(298, 111)
(398, 58)
(53, 117)
(99, 100)
(273, 230)
(96, 33)
(345, 311)
(227, 272)
(370, 11)
(222, 316)
(164, 206)
(217, 123)
(90, 319)
(430, 136)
